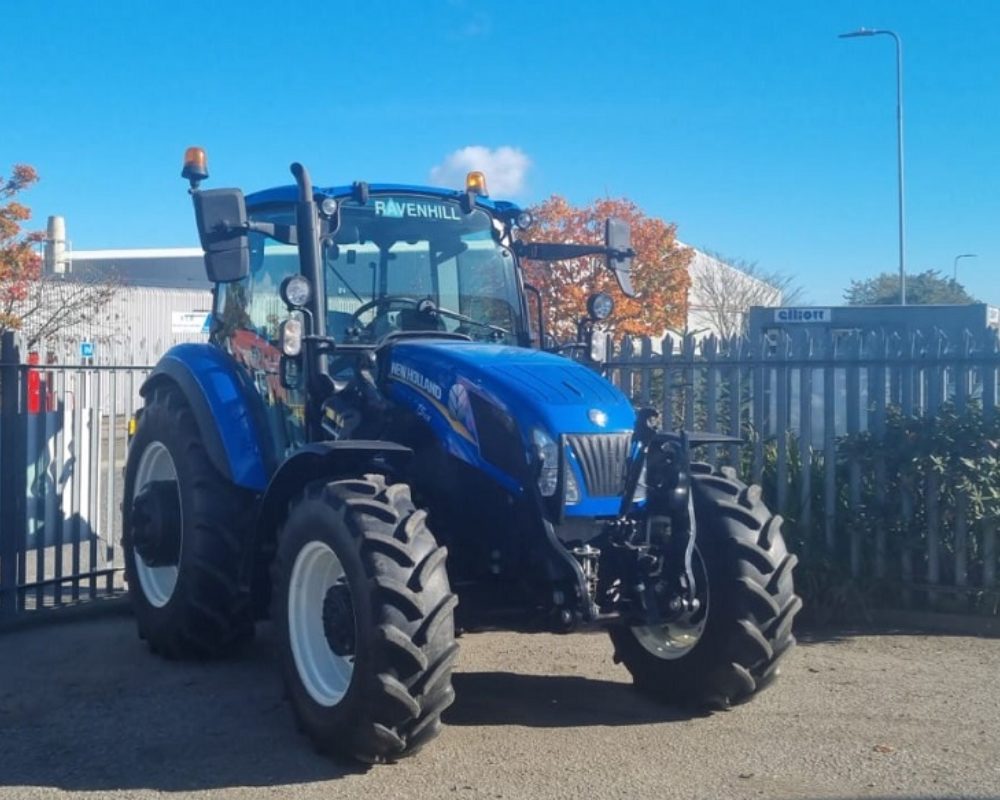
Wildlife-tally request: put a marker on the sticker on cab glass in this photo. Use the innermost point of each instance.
(410, 209)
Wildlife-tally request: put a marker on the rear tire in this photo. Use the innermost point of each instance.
(364, 619)
(185, 591)
(751, 603)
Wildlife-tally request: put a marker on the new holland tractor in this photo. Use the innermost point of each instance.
(380, 428)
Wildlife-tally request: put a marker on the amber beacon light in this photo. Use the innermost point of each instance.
(476, 182)
(195, 166)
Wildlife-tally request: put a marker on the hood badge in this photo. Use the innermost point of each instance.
(598, 417)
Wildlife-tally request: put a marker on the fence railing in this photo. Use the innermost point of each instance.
(63, 435)
(849, 435)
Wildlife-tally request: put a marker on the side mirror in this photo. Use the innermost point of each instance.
(618, 241)
(221, 217)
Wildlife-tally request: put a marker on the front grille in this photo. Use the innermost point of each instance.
(602, 457)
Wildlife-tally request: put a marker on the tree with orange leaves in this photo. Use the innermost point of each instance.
(37, 304)
(659, 269)
(19, 263)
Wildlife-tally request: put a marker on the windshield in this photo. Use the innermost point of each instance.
(393, 255)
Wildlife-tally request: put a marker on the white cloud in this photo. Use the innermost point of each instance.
(505, 168)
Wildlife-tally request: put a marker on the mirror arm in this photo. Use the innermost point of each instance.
(553, 251)
(286, 234)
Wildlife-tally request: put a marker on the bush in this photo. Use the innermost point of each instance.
(923, 478)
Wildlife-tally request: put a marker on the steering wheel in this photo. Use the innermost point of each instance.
(388, 302)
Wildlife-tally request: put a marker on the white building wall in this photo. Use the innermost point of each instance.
(708, 275)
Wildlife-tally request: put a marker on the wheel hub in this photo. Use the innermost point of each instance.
(156, 524)
(338, 620)
(679, 620)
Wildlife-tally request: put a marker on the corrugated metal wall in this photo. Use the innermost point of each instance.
(136, 328)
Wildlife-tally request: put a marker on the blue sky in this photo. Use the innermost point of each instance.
(749, 124)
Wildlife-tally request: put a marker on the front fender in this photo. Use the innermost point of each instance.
(312, 462)
(321, 460)
(227, 409)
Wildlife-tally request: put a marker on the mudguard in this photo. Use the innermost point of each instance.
(229, 412)
(314, 461)
(325, 460)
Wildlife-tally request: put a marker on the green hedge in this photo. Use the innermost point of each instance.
(945, 466)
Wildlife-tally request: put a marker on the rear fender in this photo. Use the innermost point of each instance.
(228, 411)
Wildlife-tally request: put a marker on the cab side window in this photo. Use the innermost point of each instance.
(249, 313)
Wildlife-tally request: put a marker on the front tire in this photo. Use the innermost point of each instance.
(184, 535)
(734, 648)
(364, 619)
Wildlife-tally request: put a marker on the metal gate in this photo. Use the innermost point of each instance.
(63, 438)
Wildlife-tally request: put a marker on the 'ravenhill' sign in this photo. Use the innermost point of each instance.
(802, 315)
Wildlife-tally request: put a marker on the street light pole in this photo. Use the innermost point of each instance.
(899, 142)
(954, 266)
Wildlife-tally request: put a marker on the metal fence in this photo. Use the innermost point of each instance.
(827, 419)
(63, 432)
(817, 413)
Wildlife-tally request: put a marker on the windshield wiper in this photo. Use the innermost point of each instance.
(343, 280)
(447, 312)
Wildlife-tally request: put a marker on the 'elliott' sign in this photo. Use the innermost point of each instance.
(802, 315)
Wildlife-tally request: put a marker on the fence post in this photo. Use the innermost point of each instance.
(780, 421)
(829, 441)
(854, 354)
(876, 424)
(802, 351)
(709, 351)
(12, 466)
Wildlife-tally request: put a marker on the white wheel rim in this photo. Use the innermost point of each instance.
(324, 674)
(158, 583)
(675, 640)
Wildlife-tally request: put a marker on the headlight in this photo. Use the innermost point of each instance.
(290, 332)
(572, 487)
(600, 306)
(548, 454)
(295, 290)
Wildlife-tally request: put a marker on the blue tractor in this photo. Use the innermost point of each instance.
(378, 429)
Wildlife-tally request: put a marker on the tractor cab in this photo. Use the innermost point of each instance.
(311, 281)
(402, 262)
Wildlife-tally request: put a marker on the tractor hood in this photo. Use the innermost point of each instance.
(533, 388)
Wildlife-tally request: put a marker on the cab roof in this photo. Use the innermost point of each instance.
(290, 194)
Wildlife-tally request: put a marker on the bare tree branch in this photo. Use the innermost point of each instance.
(54, 305)
(723, 291)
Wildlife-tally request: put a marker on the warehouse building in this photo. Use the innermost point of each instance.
(164, 299)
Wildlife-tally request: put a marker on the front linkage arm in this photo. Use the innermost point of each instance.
(659, 539)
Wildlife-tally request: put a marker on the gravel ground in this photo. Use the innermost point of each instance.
(86, 710)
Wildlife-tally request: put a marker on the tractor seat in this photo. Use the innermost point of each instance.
(409, 319)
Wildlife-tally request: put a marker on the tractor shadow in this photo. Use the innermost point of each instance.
(84, 706)
(553, 701)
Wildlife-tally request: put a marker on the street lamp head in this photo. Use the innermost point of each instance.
(858, 32)
(870, 32)
(954, 266)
